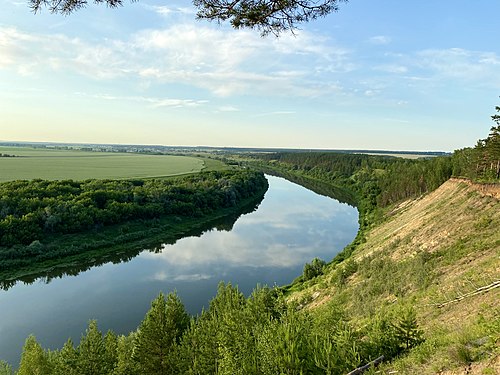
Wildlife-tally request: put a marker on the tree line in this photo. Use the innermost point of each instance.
(481, 162)
(261, 334)
(375, 182)
(34, 212)
(379, 181)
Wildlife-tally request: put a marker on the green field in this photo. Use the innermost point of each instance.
(52, 164)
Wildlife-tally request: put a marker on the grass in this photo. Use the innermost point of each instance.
(80, 165)
(430, 251)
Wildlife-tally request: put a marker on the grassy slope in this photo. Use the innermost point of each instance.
(80, 165)
(426, 252)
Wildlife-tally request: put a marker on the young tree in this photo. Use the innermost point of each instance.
(111, 351)
(493, 146)
(159, 334)
(313, 269)
(34, 360)
(92, 352)
(284, 344)
(407, 331)
(67, 360)
(199, 348)
(125, 364)
(5, 368)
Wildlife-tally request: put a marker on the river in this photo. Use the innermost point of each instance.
(268, 246)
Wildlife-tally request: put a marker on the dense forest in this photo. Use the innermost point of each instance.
(33, 213)
(376, 182)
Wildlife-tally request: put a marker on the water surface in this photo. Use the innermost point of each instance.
(269, 246)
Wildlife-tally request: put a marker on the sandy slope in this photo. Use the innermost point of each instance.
(456, 229)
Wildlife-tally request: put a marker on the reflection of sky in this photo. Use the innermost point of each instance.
(270, 245)
(291, 226)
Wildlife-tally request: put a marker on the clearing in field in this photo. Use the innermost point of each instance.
(81, 165)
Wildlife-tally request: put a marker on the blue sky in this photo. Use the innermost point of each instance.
(386, 74)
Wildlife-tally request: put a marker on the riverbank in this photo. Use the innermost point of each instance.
(117, 243)
(427, 250)
(268, 246)
(425, 254)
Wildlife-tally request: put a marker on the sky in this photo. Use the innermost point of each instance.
(380, 75)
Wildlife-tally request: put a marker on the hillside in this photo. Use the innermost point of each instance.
(434, 253)
(419, 285)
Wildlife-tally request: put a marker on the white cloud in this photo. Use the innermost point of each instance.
(425, 71)
(16, 3)
(13, 46)
(221, 61)
(154, 102)
(371, 92)
(167, 11)
(380, 40)
(475, 67)
(392, 68)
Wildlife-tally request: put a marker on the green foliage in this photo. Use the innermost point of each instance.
(92, 355)
(348, 268)
(284, 344)
(261, 334)
(381, 334)
(335, 344)
(67, 360)
(158, 335)
(483, 161)
(34, 214)
(5, 368)
(313, 269)
(111, 351)
(223, 339)
(406, 330)
(125, 364)
(34, 360)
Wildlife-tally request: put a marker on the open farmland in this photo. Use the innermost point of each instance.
(52, 164)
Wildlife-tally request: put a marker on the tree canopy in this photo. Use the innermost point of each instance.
(268, 16)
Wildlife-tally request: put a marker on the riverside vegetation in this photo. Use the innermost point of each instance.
(44, 224)
(417, 285)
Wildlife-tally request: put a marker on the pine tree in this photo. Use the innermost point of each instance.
(159, 334)
(92, 352)
(5, 368)
(125, 365)
(407, 331)
(111, 351)
(34, 360)
(67, 360)
(493, 147)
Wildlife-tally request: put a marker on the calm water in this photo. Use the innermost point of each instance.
(269, 246)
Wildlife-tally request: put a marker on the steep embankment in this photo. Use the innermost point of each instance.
(440, 254)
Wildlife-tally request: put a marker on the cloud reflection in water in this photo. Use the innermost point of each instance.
(291, 226)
